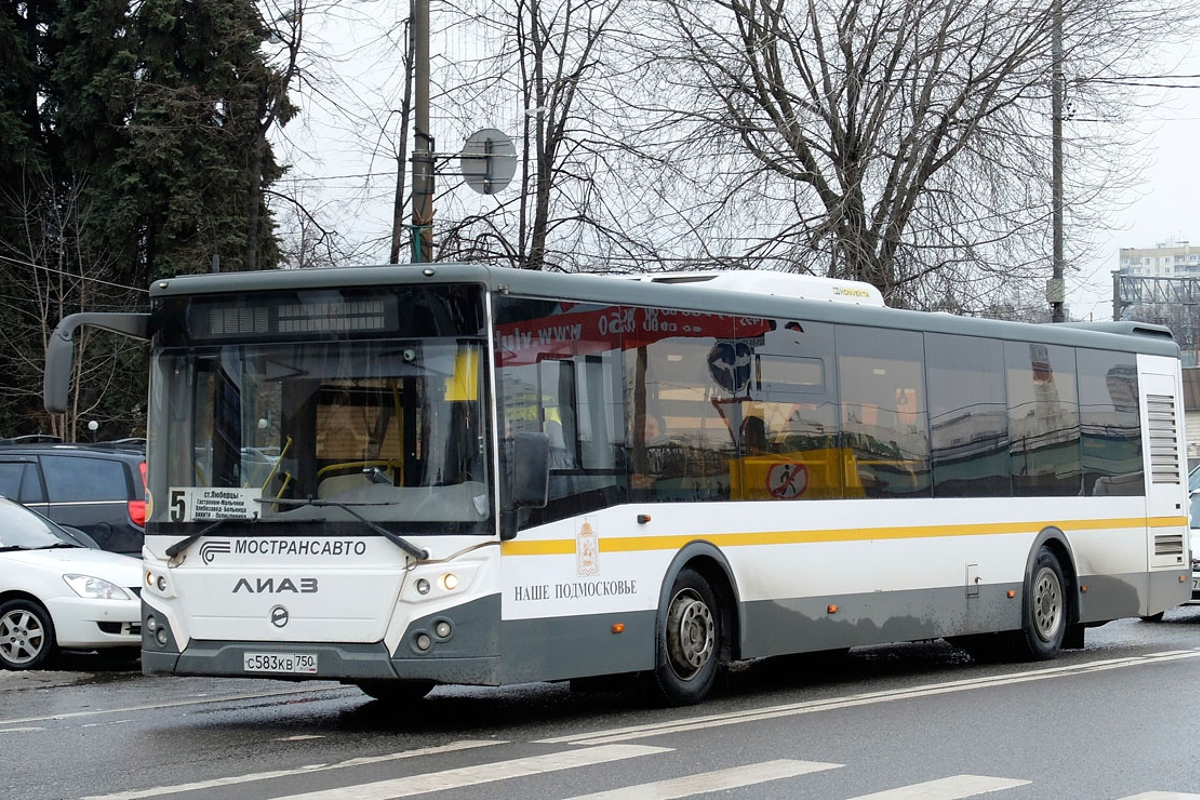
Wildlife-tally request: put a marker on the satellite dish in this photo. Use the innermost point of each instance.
(488, 161)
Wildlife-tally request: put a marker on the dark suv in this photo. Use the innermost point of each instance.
(99, 489)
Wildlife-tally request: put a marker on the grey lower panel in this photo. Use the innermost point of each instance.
(577, 647)
(775, 627)
(334, 661)
(1168, 591)
(1108, 597)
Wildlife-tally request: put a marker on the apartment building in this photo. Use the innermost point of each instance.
(1166, 260)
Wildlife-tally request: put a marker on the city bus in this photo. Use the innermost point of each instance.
(404, 476)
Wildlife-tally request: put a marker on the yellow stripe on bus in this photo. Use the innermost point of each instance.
(620, 544)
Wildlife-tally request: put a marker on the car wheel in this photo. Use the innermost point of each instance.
(26, 635)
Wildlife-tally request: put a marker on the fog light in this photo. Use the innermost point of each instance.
(442, 629)
(161, 583)
(151, 624)
(423, 642)
(422, 586)
(161, 636)
(449, 581)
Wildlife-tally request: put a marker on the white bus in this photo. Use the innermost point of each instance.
(405, 476)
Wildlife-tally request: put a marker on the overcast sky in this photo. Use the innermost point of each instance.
(1166, 206)
(347, 171)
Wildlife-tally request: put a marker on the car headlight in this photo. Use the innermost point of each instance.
(94, 588)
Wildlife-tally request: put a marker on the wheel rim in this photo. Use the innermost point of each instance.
(691, 634)
(1047, 604)
(22, 637)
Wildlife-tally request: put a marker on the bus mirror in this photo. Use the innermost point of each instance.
(56, 379)
(530, 470)
(61, 350)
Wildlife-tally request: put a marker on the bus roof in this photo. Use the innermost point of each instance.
(717, 296)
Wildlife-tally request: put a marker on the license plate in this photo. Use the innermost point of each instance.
(280, 662)
(1196, 584)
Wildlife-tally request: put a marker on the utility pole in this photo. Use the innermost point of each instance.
(1056, 290)
(422, 157)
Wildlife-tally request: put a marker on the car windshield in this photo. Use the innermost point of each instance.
(22, 528)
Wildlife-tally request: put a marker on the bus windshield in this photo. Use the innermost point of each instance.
(304, 431)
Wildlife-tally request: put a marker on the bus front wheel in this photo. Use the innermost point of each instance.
(688, 642)
(1045, 609)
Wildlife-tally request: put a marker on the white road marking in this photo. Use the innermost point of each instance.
(951, 788)
(716, 781)
(462, 777)
(851, 701)
(234, 780)
(1162, 796)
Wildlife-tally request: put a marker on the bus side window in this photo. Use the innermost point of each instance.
(884, 416)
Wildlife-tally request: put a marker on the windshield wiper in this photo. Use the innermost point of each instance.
(419, 553)
(184, 544)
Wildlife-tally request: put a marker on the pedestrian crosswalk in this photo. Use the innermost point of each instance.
(487, 778)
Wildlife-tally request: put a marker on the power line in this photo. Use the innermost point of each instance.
(72, 275)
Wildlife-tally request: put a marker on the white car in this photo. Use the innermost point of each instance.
(56, 594)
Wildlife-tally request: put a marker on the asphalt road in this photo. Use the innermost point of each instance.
(909, 721)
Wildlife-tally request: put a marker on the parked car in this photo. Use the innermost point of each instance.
(57, 594)
(98, 489)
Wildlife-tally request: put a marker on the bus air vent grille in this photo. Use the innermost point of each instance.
(1164, 438)
(1168, 544)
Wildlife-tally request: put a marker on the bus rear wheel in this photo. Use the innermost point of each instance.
(688, 642)
(1045, 609)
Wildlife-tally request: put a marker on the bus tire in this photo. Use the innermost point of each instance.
(389, 691)
(1045, 611)
(688, 643)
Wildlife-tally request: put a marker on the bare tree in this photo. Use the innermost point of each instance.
(557, 61)
(50, 273)
(284, 23)
(902, 142)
